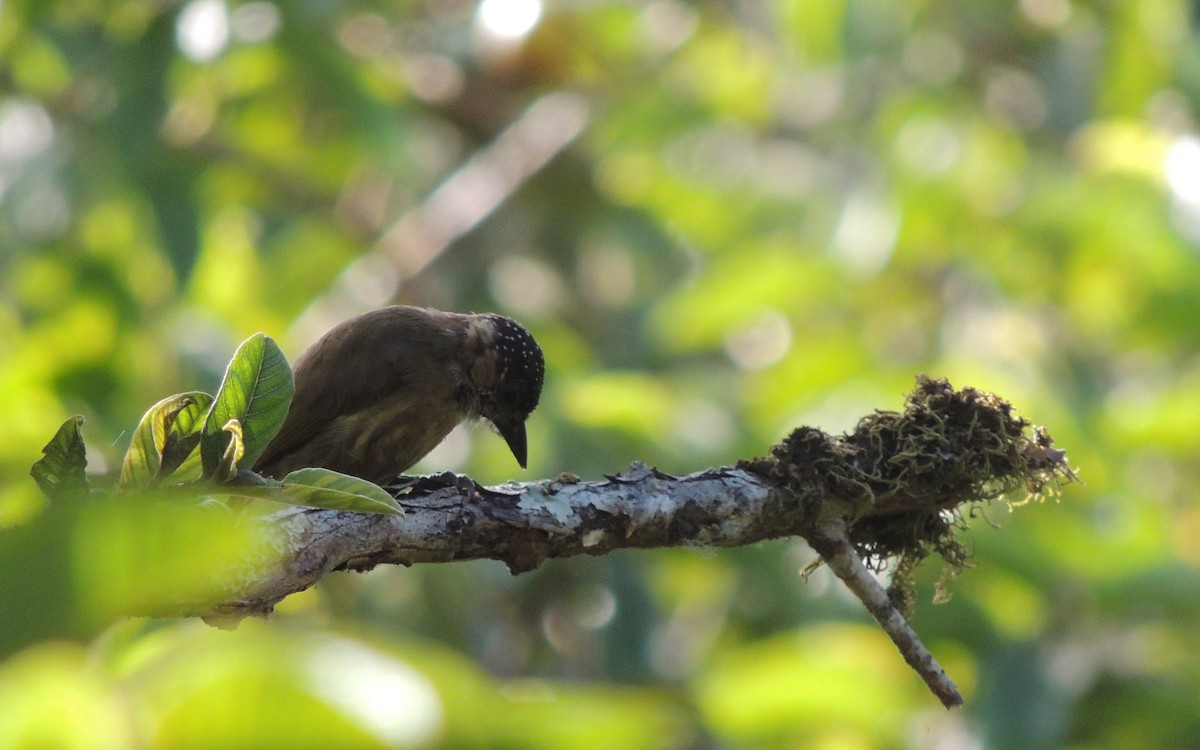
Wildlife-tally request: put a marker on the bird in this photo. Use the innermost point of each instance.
(379, 391)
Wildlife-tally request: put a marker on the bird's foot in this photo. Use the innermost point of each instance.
(461, 482)
(402, 484)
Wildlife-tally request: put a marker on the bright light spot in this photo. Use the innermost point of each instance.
(388, 697)
(666, 24)
(526, 286)
(255, 22)
(597, 608)
(1182, 170)
(434, 78)
(559, 631)
(565, 623)
(189, 120)
(787, 168)
(364, 35)
(1048, 14)
(606, 275)
(530, 690)
(202, 31)
(1017, 98)
(25, 130)
(372, 280)
(1169, 110)
(720, 154)
(1182, 167)
(811, 99)
(933, 57)
(866, 234)
(704, 425)
(509, 19)
(761, 343)
(928, 145)
(43, 213)
(941, 731)
(979, 326)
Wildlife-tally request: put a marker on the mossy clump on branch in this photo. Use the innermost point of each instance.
(901, 478)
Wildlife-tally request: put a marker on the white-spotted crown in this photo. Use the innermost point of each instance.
(522, 368)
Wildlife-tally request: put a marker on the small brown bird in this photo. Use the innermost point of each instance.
(379, 391)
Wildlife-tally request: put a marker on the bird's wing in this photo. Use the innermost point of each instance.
(352, 367)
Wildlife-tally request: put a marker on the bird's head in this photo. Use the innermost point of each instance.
(506, 377)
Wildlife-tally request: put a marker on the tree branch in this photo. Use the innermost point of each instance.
(889, 493)
(520, 524)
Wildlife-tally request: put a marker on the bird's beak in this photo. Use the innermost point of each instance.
(514, 434)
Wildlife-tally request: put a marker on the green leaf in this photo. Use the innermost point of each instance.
(160, 431)
(183, 436)
(256, 391)
(234, 450)
(191, 469)
(59, 473)
(181, 457)
(324, 488)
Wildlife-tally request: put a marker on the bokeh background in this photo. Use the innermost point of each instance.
(722, 220)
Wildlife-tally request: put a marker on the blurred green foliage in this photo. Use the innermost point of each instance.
(775, 213)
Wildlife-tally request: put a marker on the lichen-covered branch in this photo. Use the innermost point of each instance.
(889, 493)
(448, 518)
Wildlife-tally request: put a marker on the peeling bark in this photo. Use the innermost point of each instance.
(448, 519)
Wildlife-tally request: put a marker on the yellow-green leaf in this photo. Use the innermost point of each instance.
(323, 488)
(59, 473)
(256, 391)
(183, 435)
(163, 432)
(234, 450)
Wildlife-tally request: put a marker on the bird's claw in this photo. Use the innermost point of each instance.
(461, 482)
(403, 484)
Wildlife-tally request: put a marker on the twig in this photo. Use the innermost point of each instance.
(831, 541)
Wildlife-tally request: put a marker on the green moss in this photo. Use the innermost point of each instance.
(902, 479)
